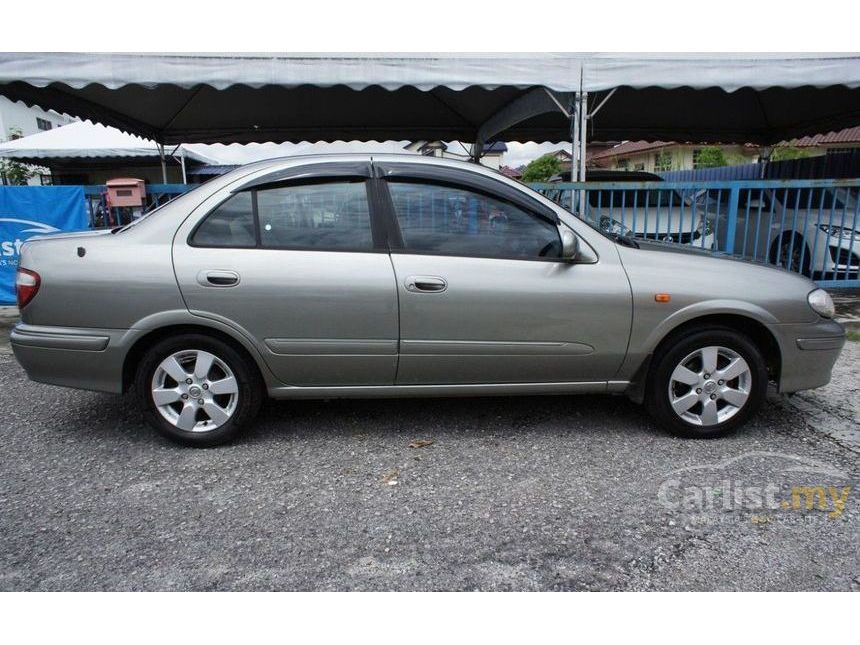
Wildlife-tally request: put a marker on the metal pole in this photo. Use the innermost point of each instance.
(583, 133)
(163, 163)
(182, 161)
(574, 137)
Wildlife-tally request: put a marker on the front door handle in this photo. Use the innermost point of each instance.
(426, 284)
(218, 278)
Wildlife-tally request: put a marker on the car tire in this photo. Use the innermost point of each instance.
(791, 244)
(220, 394)
(686, 395)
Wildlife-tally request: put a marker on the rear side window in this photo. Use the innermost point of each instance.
(447, 220)
(230, 225)
(332, 216)
(324, 216)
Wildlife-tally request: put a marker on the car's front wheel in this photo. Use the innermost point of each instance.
(706, 384)
(197, 390)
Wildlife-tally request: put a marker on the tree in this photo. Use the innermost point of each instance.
(710, 157)
(14, 173)
(541, 169)
(782, 153)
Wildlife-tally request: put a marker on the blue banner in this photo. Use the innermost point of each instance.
(26, 211)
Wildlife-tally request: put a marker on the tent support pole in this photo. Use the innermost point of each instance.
(574, 137)
(477, 151)
(163, 163)
(583, 133)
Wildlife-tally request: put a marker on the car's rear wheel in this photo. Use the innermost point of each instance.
(197, 390)
(706, 384)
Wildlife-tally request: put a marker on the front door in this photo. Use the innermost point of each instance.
(485, 298)
(295, 266)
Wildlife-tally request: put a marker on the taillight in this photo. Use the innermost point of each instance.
(26, 286)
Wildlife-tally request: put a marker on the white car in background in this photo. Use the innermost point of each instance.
(813, 231)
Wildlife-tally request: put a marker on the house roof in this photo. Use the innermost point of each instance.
(635, 147)
(848, 135)
(630, 147)
(514, 173)
(496, 146)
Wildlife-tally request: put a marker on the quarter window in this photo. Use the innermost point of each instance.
(230, 225)
(446, 220)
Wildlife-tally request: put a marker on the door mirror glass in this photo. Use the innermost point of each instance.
(569, 244)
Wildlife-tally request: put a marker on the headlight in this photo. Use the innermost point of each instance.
(821, 303)
(840, 231)
(614, 226)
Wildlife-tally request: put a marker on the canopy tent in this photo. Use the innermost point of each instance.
(92, 141)
(172, 98)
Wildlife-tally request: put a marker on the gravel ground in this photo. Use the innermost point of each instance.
(536, 493)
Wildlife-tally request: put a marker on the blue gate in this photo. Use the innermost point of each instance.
(807, 226)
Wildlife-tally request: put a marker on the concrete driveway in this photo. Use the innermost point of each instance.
(535, 493)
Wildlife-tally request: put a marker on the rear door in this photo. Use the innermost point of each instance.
(484, 297)
(298, 265)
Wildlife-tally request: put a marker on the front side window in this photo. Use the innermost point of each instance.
(326, 216)
(447, 220)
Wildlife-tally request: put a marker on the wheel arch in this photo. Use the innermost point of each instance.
(754, 329)
(150, 338)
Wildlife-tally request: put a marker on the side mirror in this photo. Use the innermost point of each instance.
(569, 244)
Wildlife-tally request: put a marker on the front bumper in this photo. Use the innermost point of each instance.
(808, 352)
(89, 359)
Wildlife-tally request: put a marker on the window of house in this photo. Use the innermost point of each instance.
(43, 124)
(639, 166)
(622, 164)
(663, 161)
(326, 216)
(447, 220)
(697, 158)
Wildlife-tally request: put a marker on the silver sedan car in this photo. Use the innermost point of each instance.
(384, 276)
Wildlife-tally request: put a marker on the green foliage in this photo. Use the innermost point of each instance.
(783, 153)
(541, 169)
(14, 173)
(709, 157)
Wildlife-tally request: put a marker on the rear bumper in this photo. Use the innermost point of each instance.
(89, 359)
(809, 352)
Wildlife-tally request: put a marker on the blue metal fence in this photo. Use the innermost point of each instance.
(807, 226)
(722, 173)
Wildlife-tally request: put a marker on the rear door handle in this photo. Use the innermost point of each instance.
(426, 284)
(218, 278)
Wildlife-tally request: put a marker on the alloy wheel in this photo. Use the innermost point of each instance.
(710, 386)
(195, 391)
